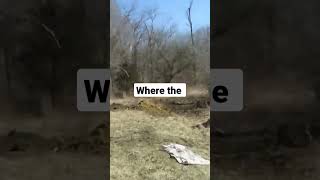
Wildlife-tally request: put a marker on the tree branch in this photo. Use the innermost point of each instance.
(53, 35)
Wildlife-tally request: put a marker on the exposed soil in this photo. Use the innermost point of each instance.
(31, 156)
(287, 152)
(281, 163)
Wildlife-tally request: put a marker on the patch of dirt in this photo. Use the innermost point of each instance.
(281, 163)
(17, 141)
(287, 152)
(52, 165)
(166, 106)
(29, 156)
(143, 105)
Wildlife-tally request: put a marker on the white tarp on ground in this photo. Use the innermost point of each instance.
(184, 155)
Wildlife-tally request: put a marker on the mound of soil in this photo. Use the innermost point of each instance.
(166, 106)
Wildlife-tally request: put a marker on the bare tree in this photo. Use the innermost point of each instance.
(190, 21)
(174, 56)
(7, 61)
(189, 18)
(126, 42)
(174, 65)
(150, 46)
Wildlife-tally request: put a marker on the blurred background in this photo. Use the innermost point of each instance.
(275, 44)
(42, 45)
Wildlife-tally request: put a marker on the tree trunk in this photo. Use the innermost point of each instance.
(7, 70)
(53, 82)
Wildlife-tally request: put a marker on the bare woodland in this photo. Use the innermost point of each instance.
(276, 136)
(141, 51)
(42, 45)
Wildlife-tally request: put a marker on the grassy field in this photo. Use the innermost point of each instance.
(137, 136)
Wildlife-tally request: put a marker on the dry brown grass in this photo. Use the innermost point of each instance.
(137, 136)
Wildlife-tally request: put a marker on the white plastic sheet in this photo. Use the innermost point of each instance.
(184, 155)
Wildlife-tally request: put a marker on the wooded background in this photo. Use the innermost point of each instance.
(276, 45)
(141, 51)
(42, 45)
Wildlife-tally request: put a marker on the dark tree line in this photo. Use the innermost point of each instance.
(42, 45)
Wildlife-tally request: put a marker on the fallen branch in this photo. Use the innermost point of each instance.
(124, 71)
(51, 32)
